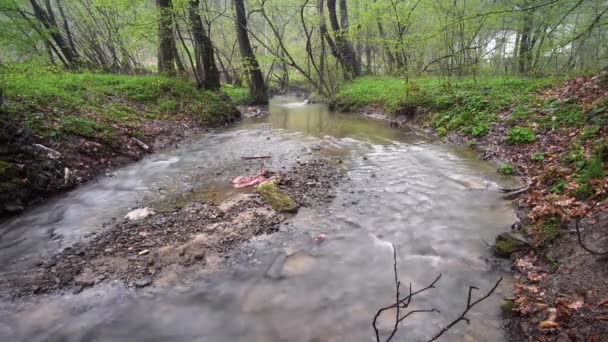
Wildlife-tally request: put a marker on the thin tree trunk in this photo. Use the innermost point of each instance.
(51, 26)
(250, 63)
(166, 46)
(206, 68)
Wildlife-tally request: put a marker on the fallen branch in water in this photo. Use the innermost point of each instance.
(256, 157)
(403, 303)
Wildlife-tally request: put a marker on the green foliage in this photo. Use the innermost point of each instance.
(238, 95)
(519, 112)
(558, 187)
(81, 126)
(56, 104)
(520, 135)
(506, 169)
(537, 156)
(167, 105)
(468, 105)
(565, 114)
(390, 93)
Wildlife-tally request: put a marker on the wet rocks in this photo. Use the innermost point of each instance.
(143, 282)
(139, 214)
(134, 252)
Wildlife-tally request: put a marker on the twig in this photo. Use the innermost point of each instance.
(578, 231)
(403, 303)
(470, 305)
(256, 157)
(400, 303)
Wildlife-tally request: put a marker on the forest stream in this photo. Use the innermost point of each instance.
(435, 202)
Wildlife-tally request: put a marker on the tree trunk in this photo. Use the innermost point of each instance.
(208, 74)
(525, 44)
(250, 63)
(345, 47)
(166, 46)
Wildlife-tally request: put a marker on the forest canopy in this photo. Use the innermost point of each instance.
(275, 43)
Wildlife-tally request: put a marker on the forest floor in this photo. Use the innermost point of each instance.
(60, 129)
(136, 252)
(554, 135)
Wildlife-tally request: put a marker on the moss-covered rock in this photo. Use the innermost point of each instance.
(278, 200)
(509, 243)
(507, 307)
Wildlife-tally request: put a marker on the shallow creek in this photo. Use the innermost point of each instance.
(435, 202)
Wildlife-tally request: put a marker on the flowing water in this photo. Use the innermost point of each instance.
(435, 202)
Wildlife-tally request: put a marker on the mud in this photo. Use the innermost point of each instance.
(135, 252)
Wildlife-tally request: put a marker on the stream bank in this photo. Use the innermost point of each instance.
(61, 129)
(556, 140)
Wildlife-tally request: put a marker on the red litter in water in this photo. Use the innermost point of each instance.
(319, 238)
(244, 181)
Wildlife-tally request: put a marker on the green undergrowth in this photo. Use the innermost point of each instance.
(238, 95)
(57, 104)
(455, 104)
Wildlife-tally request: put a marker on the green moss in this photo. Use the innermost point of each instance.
(509, 243)
(506, 246)
(520, 135)
(507, 307)
(278, 200)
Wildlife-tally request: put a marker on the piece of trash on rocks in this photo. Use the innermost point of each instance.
(144, 252)
(245, 181)
(139, 214)
(319, 237)
(142, 234)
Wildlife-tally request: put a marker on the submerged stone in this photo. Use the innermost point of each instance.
(278, 199)
(508, 243)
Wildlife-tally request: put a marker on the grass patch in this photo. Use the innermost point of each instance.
(537, 156)
(466, 105)
(56, 104)
(239, 95)
(506, 169)
(520, 135)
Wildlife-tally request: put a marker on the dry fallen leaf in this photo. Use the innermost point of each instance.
(548, 325)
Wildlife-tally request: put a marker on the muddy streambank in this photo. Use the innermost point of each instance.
(560, 292)
(38, 167)
(134, 252)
